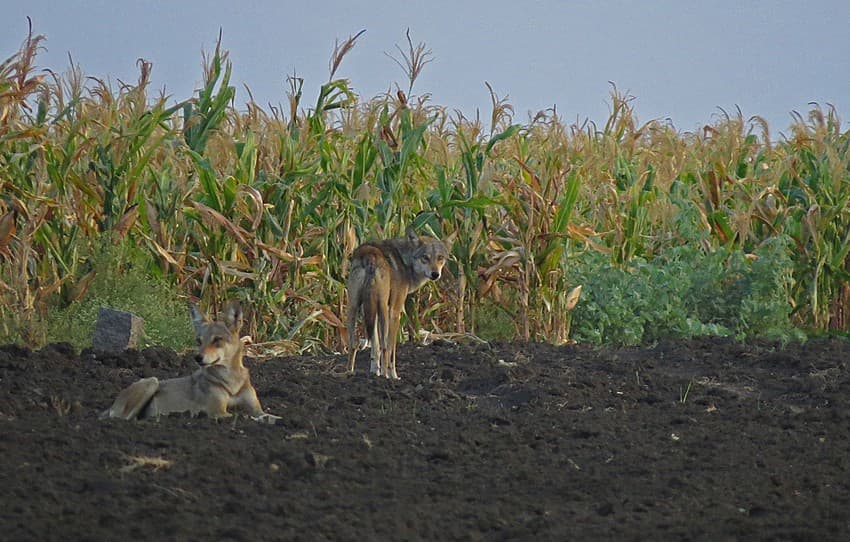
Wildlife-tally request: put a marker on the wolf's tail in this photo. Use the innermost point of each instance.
(370, 273)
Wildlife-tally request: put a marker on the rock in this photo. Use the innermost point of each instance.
(116, 331)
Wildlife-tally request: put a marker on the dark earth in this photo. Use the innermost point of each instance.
(705, 439)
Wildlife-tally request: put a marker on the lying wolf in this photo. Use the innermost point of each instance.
(382, 275)
(222, 382)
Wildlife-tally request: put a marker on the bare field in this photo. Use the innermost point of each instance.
(706, 439)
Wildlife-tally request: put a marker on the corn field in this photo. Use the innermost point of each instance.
(266, 204)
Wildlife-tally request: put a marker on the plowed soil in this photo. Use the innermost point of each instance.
(707, 439)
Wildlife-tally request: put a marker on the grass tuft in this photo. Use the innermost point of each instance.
(146, 462)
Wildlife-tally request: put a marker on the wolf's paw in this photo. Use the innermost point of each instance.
(270, 419)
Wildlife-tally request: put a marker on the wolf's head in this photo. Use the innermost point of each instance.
(218, 340)
(429, 255)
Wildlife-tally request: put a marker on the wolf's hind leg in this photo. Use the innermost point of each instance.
(132, 399)
(352, 337)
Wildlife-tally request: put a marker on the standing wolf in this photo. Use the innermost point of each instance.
(221, 382)
(382, 274)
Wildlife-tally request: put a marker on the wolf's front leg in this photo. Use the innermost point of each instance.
(248, 400)
(375, 367)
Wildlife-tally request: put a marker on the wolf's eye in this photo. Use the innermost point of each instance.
(426, 258)
(216, 342)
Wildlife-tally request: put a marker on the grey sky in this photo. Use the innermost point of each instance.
(681, 60)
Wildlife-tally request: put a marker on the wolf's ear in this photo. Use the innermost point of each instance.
(199, 319)
(233, 316)
(410, 233)
(449, 241)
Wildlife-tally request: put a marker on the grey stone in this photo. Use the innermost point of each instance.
(116, 331)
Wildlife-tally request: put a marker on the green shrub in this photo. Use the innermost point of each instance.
(121, 282)
(685, 293)
(492, 323)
